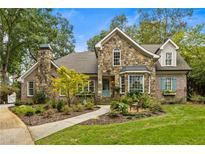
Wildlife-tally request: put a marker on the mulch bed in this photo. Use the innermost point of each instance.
(38, 119)
(106, 119)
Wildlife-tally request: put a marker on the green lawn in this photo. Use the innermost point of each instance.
(182, 124)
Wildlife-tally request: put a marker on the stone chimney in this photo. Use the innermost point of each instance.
(44, 58)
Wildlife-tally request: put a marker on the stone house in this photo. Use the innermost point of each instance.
(118, 63)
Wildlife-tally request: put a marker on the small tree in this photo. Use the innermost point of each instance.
(67, 82)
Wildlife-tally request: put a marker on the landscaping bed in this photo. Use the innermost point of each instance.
(39, 119)
(106, 119)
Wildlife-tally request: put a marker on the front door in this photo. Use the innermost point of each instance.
(106, 88)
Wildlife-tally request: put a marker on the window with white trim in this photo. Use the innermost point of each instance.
(168, 60)
(122, 84)
(89, 88)
(116, 57)
(168, 83)
(136, 83)
(30, 88)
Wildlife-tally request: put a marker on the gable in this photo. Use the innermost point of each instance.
(99, 45)
(32, 70)
(168, 48)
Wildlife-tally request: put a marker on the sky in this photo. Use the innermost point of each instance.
(89, 22)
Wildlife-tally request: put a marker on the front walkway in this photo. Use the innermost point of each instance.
(44, 130)
(12, 130)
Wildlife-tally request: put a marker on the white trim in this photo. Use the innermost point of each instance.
(27, 91)
(54, 64)
(99, 44)
(30, 70)
(135, 75)
(172, 56)
(169, 40)
(121, 84)
(134, 72)
(25, 74)
(113, 51)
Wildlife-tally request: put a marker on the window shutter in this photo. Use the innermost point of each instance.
(162, 83)
(174, 83)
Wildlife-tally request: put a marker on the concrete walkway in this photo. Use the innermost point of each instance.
(12, 130)
(44, 130)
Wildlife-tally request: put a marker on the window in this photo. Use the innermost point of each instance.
(89, 88)
(30, 88)
(168, 83)
(136, 83)
(122, 84)
(116, 57)
(168, 60)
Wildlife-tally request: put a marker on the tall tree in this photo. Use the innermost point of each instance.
(118, 21)
(160, 24)
(192, 48)
(21, 32)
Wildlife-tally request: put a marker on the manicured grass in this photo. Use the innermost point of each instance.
(182, 124)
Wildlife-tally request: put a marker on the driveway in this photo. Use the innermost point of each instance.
(44, 130)
(12, 130)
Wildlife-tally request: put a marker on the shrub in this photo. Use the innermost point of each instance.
(39, 109)
(47, 106)
(127, 100)
(52, 103)
(23, 110)
(67, 109)
(30, 112)
(89, 106)
(40, 97)
(48, 113)
(60, 105)
(18, 103)
(78, 108)
(119, 106)
(24, 102)
(114, 114)
(197, 98)
(155, 106)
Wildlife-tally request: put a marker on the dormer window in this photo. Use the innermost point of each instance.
(168, 60)
(116, 57)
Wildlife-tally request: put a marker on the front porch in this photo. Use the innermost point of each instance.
(112, 86)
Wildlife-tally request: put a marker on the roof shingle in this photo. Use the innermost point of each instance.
(82, 62)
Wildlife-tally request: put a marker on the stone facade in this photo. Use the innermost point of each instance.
(130, 56)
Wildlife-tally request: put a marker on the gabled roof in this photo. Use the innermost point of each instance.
(30, 70)
(82, 62)
(169, 40)
(181, 65)
(99, 44)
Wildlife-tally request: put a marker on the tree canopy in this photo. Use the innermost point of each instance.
(23, 30)
(155, 25)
